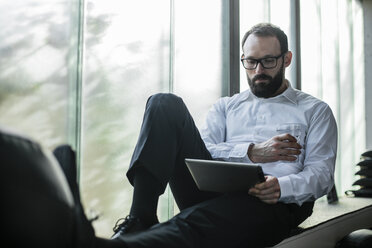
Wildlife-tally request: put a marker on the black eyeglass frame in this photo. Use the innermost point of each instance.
(260, 61)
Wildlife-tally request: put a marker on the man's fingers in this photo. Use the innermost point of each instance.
(285, 152)
(288, 140)
(264, 192)
(268, 191)
(288, 158)
(285, 147)
(261, 186)
(286, 136)
(269, 196)
(269, 183)
(290, 145)
(271, 201)
(275, 149)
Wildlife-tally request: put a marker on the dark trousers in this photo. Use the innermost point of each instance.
(168, 136)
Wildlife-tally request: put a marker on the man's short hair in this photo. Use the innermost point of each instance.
(268, 29)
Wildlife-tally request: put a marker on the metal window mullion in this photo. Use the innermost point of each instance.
(79, 87)
(267, 11)
(172, 55)
(296, 40)
(171, 46)
(234, 48)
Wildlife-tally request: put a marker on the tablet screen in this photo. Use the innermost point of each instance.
(222, 176)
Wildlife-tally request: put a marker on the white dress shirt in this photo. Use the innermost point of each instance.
(233, 123)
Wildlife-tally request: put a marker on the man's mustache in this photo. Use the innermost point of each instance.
(261, 76)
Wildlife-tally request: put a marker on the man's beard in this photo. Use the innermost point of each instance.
(268, 89)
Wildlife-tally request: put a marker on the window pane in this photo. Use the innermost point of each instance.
(332, 69)
(310, 48)
(280, 15)
(126, 60)
(37, 62)
(276, 12)
(251, 13)
(198, 54)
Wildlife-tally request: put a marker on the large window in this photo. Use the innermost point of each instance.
(80, 72)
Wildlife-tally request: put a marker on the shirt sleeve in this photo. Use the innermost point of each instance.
(213, 134)
(317, 177)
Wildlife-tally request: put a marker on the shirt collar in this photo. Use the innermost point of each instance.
(290, 93)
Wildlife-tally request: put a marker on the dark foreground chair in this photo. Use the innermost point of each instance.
(37, 205)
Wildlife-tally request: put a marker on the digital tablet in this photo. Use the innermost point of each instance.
(221, 176)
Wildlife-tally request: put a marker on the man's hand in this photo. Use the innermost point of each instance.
(268, 191)
(280, 147)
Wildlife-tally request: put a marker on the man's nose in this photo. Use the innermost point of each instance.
(259, 68)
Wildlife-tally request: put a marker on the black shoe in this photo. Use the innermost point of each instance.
(129, 224)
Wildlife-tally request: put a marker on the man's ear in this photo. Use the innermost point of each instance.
(287, 58)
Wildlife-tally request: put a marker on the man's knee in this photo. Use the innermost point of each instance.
(166, 101)
(165, 98)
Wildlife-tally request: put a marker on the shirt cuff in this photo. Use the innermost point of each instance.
(239, 153)
(286, 189)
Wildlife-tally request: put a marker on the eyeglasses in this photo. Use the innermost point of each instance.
(267, 63)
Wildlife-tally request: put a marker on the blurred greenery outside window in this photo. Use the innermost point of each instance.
(80, 72)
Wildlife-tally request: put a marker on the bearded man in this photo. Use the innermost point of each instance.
(291, 134)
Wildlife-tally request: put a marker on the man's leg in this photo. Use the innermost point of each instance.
(168, 136)
(233, 220)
